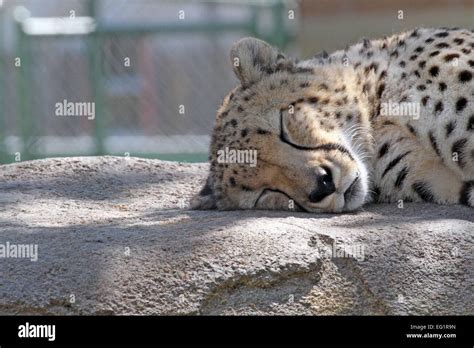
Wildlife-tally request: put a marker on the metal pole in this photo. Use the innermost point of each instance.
(96, 78)
(3, 150)
(26, 125)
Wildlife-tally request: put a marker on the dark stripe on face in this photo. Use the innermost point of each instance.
(422, 189)
(323, 147)
(401, 176)
(467, 187)
(278, 191)
(394, 162)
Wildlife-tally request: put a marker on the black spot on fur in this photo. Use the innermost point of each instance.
(394, 162)
(465, 76)
(470, 124)
(301, 70)
(374, 67)
(304, 84)
(232, 181)
(245, 188)
(461, 104)
(466, 51)
(244, 132)
(419, 49)
(411, 129)
(434, 53)
(401, 176)
(421, 87)
(383, 149)
(434, 71)
(422, 189)
(458, 147)
(313, 100)
(323, 86)
(233, 122)
(450, 57)
(366, 87)
(402, 64)
(442, 34)
(434, 143)
(424, 100)
(442, 45)
(442, 86)
(467, 187)
(417, 74)
(422, 64)
(404, 75)
(471, 63)
(380, 90)
(450, 127)
(262, 131)
(458, 41)
(429, 40)
(439, 107)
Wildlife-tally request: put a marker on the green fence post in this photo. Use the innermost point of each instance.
(26, 124)
(253, 24)
(95, 59)
(3, 150)
(279, 34)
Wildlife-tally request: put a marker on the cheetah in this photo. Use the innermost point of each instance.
(381, 121)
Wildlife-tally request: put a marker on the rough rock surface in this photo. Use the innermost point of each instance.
(114, 236)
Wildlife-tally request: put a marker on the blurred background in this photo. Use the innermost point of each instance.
(156, 71)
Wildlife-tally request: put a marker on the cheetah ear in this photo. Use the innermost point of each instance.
(251, 58)
(205, 199)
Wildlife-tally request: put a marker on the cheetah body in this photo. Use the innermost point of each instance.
(384, 120)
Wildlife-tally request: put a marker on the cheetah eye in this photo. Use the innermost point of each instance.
(284, 137)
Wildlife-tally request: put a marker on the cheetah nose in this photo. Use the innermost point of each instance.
(325, 187)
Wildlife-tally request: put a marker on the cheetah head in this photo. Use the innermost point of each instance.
(282, 139)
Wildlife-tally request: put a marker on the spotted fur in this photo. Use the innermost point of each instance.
(324, 138)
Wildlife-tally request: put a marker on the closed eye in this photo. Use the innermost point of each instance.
(324, 147)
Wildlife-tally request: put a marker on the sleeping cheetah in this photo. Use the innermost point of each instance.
(383, 120)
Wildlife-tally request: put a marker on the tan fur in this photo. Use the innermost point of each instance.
(322, 117)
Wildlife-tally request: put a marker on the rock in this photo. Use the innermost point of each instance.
(115, 236)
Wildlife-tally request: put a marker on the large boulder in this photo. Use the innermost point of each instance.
(115, 236)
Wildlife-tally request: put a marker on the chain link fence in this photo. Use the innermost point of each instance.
(143, 78)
